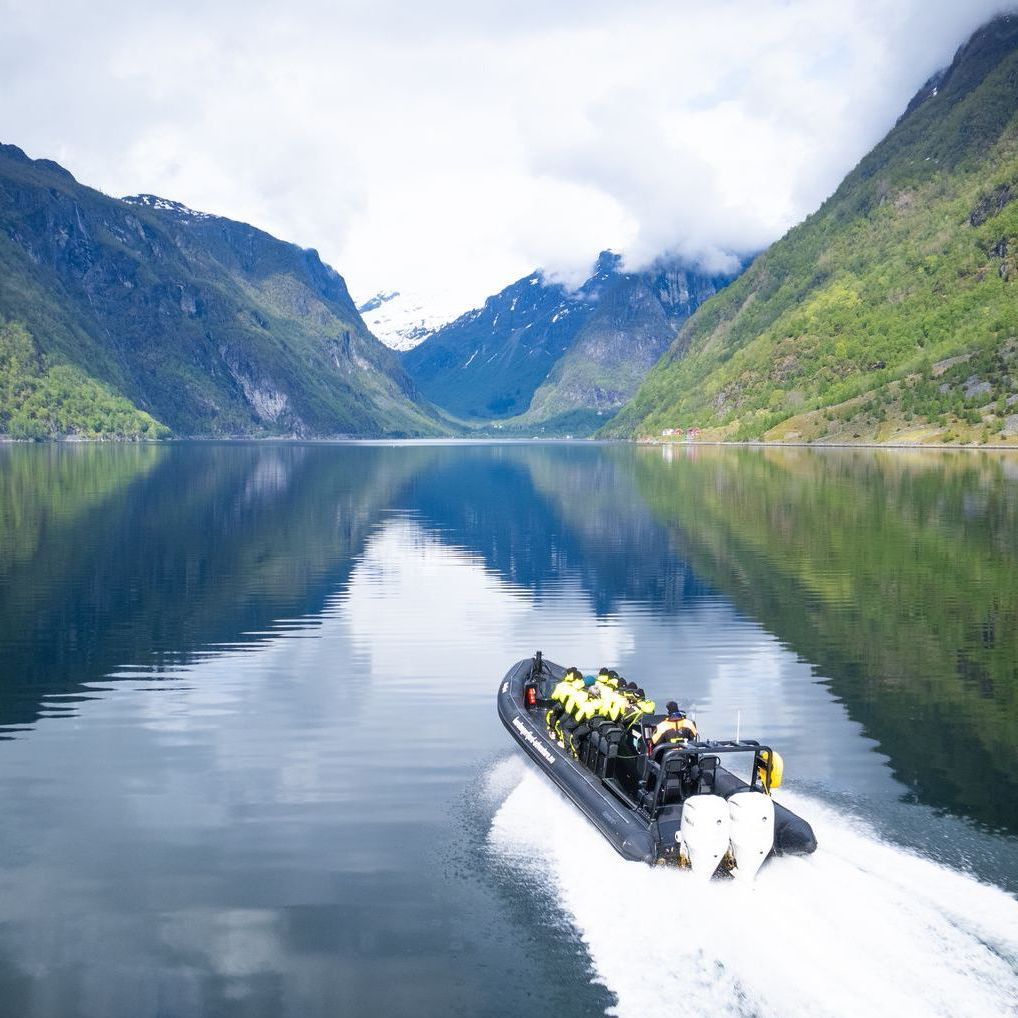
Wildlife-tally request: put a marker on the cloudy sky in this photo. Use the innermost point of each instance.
(449, 147)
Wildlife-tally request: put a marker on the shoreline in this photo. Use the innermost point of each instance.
(74, 440)
(942, 446)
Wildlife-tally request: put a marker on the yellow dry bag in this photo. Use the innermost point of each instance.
(777, 768)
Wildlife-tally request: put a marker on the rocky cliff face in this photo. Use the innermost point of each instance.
(212, 326)
(539, 355)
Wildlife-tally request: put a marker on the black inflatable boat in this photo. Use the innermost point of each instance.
(673, 803)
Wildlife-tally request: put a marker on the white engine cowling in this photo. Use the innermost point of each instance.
(752, 831)
(705, 831)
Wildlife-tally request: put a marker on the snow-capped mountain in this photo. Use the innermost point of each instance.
(404, 320)
(540, 352)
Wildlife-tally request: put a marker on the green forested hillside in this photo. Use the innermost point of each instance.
(142, 310)
(891, 314)
(38, 399)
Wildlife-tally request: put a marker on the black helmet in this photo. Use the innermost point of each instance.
(673, 708)
(640, 694)
(612, 674)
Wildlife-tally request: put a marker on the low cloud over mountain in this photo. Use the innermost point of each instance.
(418, 144)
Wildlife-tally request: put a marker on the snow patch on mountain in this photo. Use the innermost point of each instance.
(404, 320)
(153, 201)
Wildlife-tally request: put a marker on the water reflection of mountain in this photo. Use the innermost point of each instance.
(541, 514)
(895, 573)
(148, 555)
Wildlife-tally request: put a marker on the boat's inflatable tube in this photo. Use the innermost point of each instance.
(628, 832)
(631, 833)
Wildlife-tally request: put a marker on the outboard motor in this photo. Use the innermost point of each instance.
(705, 831)
(752, 831)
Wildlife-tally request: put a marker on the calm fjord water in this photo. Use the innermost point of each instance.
(250, 763)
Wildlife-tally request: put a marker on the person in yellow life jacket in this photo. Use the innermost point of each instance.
(569, 682)
(614, 703)
(581, 706)
(576, 695)
(637, 707)
(608, 677)
(589, 706)
(631, 691)
(607, 689)
(676, 727)
(559, 695)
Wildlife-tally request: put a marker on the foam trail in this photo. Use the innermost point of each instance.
(862, 927)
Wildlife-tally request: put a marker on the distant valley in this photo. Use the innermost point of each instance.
(538, 358)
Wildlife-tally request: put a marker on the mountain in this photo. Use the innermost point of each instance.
(633, 321)
(538, 355)
(404, 320)
(148, 316)
(890, 314)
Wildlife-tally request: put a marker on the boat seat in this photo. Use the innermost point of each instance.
(708, 774)
(662, 747)
(676, 780)
(672, 792)
(611, 740)
(605, 747)
(592, 749)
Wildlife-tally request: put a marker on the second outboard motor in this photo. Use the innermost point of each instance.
(752, 831)
(705, 830)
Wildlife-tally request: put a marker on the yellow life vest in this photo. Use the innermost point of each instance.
(682, 727)
(634, 711)
(631, 716)
(575, 699)
(607, 702)
(571, 682)
(589, 708)
(561, 691)
(615, 704)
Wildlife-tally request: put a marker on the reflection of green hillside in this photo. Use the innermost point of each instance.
(46, 488)
(895, 574)
(211, 543)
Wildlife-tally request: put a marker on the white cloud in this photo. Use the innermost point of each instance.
(460, 144)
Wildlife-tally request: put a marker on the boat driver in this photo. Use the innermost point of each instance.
(676, 727)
